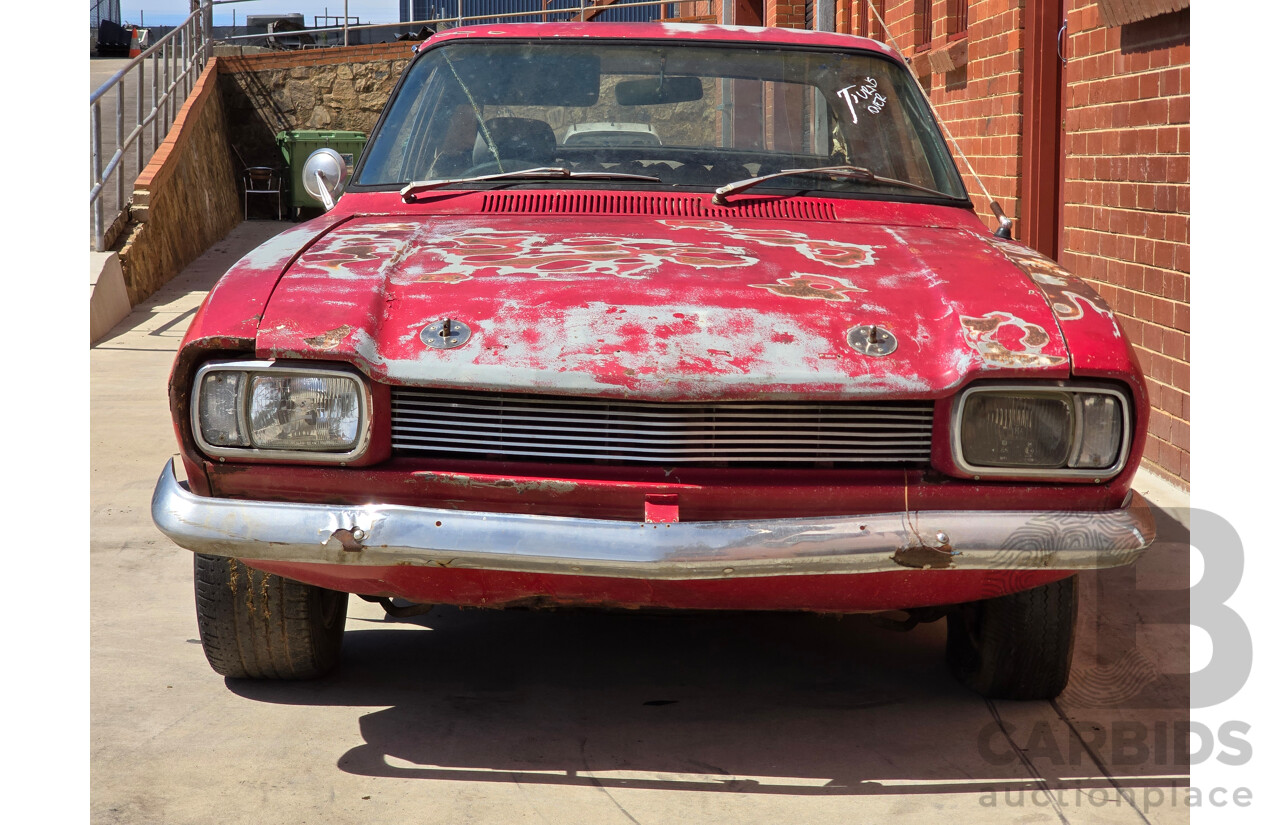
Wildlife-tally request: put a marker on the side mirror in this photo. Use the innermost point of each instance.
(322, 174)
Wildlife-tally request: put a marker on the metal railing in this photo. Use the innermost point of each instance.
(176, 60)
(570, 10)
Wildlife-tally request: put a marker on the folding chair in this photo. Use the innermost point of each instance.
(264, 180)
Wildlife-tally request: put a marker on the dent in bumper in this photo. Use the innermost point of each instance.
(379, 535)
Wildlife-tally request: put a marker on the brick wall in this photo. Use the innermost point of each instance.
(974, 80)
(186, 198)
(1128, 199)
(784, 14)
(1126, 168)
(339, 88)
(973, 77)
(699, 11)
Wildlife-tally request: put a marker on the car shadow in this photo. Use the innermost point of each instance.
(759, 703)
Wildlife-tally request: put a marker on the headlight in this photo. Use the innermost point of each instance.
(1041, 431)
(260, 408)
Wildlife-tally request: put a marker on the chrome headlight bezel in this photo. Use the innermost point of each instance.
(1064, 472)
(278, 369)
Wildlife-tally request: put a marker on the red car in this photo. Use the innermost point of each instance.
(759, 355)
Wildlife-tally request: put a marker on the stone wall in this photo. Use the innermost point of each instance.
(340, 88)
(186, 199)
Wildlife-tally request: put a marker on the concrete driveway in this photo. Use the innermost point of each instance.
(585, 717)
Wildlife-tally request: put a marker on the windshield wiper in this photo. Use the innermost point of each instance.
(536, 173)
(858, 173)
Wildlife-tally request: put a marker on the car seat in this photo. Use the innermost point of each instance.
(509, 139)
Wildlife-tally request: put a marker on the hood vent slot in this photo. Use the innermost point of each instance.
(640, 203)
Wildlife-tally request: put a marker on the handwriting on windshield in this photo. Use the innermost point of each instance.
(865, 93)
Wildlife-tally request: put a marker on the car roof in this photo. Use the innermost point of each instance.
(684, 32)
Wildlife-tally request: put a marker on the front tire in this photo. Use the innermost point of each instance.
(1016, 646)
(256, 625)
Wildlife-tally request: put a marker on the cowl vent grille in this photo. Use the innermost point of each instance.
(643, 203)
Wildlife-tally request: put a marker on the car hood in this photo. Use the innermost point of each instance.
(671, 308)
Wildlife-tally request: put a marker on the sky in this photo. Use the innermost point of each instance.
(172, 12)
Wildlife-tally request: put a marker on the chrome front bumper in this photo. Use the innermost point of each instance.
(384, 534)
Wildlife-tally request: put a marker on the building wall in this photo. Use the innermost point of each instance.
(186, 199)
(785, 14)
(972, 75)
(1126, 158)
(413, 10)
(1128, 199)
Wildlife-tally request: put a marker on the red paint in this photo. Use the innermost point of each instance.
(661, 509)
(748, 301)
(826, 593)
(640, 31)
(550, 320)
(705, 493)
(234, 307)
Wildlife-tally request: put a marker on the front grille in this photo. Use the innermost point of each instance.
(531, 427)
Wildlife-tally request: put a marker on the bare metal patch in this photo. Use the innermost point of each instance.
(590, 348)
(832, 253)
(1066, 293)
(522, 253)
(367, 245)
(482, 250)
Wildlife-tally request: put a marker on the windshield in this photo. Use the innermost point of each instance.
(695, 116)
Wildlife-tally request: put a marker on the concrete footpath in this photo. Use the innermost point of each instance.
(588, 717)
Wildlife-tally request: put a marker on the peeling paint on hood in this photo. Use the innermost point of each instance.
(665, 309)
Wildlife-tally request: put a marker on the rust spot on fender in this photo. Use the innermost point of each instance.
(987, 323)
(981, 336)
(330, 339)
(922, 557)
(1035, 337)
